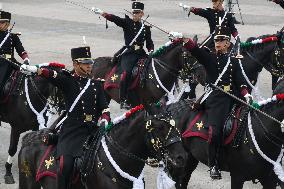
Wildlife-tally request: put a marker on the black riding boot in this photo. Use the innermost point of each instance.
(213, 162)
(123, 94)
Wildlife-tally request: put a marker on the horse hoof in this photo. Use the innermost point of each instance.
(9, 179)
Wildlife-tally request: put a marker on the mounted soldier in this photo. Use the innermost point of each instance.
(9, 42)
(223, 71)
(215, 16)
(86, 104)
(135, 35)
(279, 2)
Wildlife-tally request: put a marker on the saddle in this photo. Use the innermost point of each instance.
(233, 129)
(48, 166)
(116, 75)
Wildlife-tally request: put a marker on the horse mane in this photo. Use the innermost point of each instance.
(34, 137)
(256, 47)
(170, 47)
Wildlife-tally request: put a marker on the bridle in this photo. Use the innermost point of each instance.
(275, 68)
(158, 146)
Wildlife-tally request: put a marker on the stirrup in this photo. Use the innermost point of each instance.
(215, 173)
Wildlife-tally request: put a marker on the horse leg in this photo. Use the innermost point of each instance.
(182, 178)
(236, 182)
(14, 140)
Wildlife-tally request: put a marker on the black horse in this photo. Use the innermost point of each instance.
(15, 109)
(242, 161)
(168, 65)
(268, 55)
(129, 142)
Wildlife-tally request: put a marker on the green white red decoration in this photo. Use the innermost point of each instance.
(272, 99)
(124, 116)
(51, 64)
(259, 41)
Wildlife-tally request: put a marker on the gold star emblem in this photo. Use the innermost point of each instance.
(199, 125)
(114, 77)
(49, 162)
(25, 168)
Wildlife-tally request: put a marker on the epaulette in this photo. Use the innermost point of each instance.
(17, 33)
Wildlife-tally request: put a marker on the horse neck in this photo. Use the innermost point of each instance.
(262, 56)
(264, 139)
(172, 63)
(173, 58)
(131, 136)
(39, 90)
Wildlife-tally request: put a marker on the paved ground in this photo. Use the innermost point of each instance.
(50, 28)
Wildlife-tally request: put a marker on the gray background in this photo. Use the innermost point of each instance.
(51, 28)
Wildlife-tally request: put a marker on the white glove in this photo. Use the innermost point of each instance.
(97, 10)
(185, 7)
(28, 69)
(27, 61)
(175, 35)
(249, 98)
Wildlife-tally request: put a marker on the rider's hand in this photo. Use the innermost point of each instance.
(249, 98)
(30, 69)
(175, 35)
(27, 61)
(97, 11)
(185, 7)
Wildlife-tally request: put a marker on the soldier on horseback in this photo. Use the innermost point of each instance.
(280, 2)
(9, 42)
(87, 108)
(225, 72)
(215, 16)
(135, 34)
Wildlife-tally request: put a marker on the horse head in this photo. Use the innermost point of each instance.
(164, 139)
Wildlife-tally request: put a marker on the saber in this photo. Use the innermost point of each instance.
(79, 5)
(149, 23)
(243, 102)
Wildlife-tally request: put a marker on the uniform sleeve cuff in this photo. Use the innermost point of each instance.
(24, 55)
(244, 90)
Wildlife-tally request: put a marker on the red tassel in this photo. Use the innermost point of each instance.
(56, 64)
(280, 96)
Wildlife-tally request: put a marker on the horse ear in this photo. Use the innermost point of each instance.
(195, 38)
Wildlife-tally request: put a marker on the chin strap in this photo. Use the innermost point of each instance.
(84, 71)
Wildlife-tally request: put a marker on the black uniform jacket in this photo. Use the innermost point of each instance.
(82, 121)
(130, 29)
(213, 17)
(11, 43)
(232, 81)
